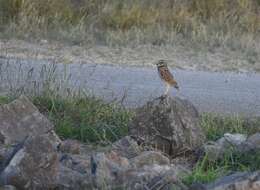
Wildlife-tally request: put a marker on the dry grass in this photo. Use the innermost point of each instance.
(216, 22)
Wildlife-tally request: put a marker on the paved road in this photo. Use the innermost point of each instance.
(210, 92)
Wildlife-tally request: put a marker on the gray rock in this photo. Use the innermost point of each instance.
(8, 187)
(234, 139)
(72, 180)
(20, 119)
(149, 158)
(79, 163)
(170, 124)
(151, 177)
(216, 150)
(126, 147)
(70, 146)
(213, 151)
(5, 153)
(109, 167)
(197, 186)
(34, 166)
(252, 143)
(237, 181)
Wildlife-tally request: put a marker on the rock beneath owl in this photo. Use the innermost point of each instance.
(170, 124)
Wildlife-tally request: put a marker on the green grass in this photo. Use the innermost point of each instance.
(215, 127)
(206, 171)
(4, 100)
(86, 119)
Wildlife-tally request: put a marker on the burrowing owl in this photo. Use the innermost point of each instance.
(166, 76)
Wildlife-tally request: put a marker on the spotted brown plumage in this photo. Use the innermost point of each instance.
(166, 75)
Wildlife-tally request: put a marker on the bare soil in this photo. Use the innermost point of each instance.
(179, 56)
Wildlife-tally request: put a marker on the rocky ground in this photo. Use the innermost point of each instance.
(163, 146)
(179, 56)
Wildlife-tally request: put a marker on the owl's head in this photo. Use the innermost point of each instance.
(161, 63)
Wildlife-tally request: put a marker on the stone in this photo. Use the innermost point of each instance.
(253, 141)
(216, 150)
(213, 151)
(150, 158)
(197, 186)
(121, 161)
(126, 147)
(8, 187)
(237, 181)
(234, 139)
(34, 166)
(69, 179)
(70, 146)
(5, 153)
(20, 119)
(108, 168)
(151, 177)
(170, 124)
(79, 163)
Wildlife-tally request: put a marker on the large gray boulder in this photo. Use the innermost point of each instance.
(20, 119)
(34, 166)
(170, 124)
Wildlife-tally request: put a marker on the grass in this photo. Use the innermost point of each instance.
(4, 100)
(86, 119)
(206, 171)
(120, 22)
(215, 127)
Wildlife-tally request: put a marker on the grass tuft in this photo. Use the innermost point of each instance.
(216, 126)
(86, 119)
(4, 100)
(207, 171)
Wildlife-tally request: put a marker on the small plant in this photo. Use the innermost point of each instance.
(4, 100)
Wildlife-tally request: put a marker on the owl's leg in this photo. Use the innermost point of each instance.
(167, 89)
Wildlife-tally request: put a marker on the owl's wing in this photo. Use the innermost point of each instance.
(167, 76)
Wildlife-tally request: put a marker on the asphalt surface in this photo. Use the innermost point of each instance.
(224, 93)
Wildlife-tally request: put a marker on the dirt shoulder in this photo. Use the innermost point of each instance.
(188, 58)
